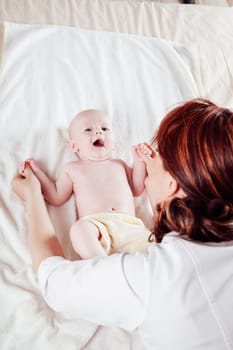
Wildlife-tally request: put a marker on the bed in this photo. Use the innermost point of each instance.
(134, 59)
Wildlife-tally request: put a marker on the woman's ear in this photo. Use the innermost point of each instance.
(175, 190)
(73, 146)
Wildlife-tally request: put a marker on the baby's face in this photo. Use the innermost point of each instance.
(92, 134)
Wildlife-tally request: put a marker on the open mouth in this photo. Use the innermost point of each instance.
(98, 143)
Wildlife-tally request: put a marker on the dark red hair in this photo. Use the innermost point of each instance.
(195, 142)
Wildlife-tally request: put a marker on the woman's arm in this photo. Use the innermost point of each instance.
(110, 290)
(42, 239)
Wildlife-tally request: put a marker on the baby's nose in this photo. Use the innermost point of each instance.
(99, 131)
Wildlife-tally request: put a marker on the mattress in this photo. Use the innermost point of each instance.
(149, 55)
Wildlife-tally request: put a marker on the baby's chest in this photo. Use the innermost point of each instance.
(100, 176)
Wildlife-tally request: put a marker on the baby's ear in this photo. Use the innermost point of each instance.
(73, 146)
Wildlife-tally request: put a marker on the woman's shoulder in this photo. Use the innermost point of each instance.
(177, 255)
(174, 243)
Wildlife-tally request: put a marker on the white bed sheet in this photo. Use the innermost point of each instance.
(49, 73)
(206, 33)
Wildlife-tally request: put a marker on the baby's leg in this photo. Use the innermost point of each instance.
(84, 238)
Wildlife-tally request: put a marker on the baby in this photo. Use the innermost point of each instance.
(104, 188)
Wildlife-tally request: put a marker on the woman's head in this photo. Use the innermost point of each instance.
(195, 143)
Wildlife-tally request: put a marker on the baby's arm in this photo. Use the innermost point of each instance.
(55, 192)
(139, 172)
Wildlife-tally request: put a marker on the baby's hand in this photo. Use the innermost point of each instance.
(32, 164)
(141, 150)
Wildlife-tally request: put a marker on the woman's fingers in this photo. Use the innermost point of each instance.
(25, 184)
(149, 150)
(27, 162)
(16, 185)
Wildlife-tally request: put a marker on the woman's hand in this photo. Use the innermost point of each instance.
(26, 185)
(42, 239)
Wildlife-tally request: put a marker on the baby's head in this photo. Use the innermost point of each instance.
(91, 135)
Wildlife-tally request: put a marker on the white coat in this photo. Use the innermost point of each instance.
(179, 294)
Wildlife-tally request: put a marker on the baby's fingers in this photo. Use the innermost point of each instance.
(147, 150)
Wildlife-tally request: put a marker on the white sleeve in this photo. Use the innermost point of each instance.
(110, 291)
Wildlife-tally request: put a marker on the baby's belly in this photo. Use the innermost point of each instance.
(100, 206)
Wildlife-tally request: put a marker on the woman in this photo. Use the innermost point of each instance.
(179, 293)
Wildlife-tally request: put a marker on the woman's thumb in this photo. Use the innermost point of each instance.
(27, 171)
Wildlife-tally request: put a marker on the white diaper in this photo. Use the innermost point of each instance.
(120, 232)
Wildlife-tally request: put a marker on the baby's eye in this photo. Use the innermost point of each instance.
(105, 128)
(87, 129)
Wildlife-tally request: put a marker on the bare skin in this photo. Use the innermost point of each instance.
(100, 183)
(42, 239)
(92, 183)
